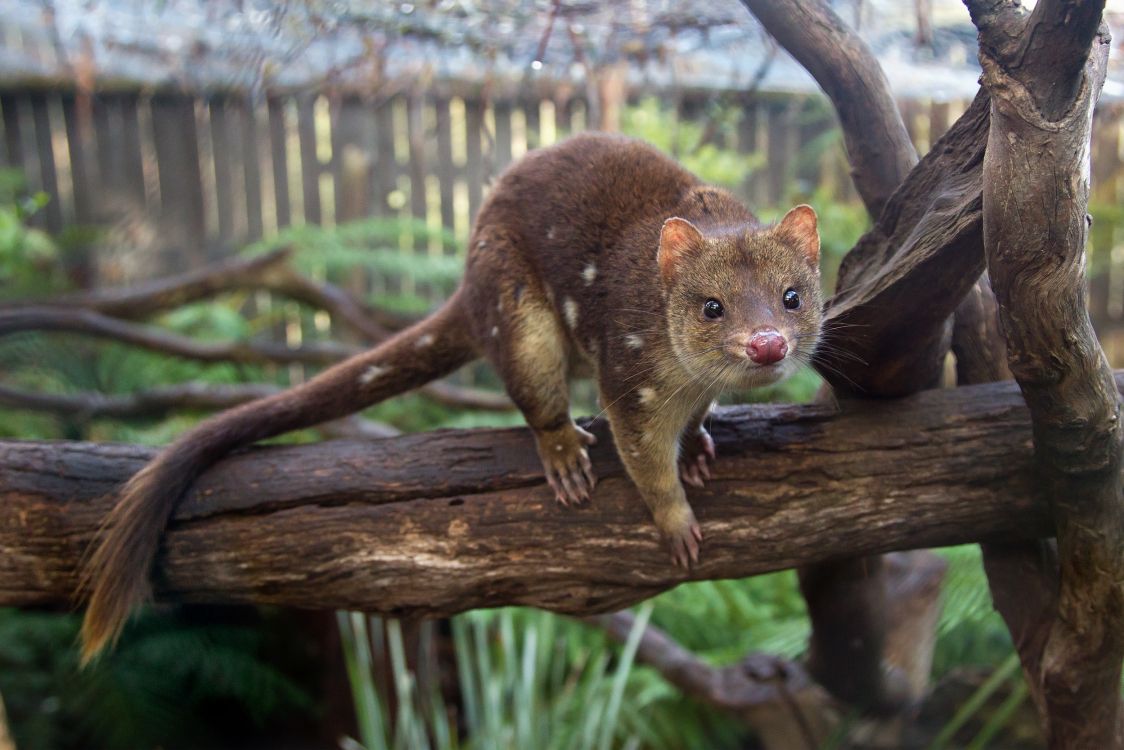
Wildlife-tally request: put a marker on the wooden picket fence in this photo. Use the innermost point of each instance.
(213, 173)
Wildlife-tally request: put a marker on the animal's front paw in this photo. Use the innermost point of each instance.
(695, 457)
(683, 535)
(565, 461)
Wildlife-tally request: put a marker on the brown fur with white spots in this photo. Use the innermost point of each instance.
(595, 256)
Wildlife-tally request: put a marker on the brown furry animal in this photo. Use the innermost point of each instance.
(596, 255)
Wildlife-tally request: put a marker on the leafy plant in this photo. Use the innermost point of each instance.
(164, 674)
(28, 256)
(524, 681)
(652, 121)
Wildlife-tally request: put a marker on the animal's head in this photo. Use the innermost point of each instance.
(743, 301)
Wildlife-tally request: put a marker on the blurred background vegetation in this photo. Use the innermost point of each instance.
(519, 678)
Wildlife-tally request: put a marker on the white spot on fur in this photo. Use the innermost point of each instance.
(570, 310)
(424, 341)
(495, 331)
(499, 306)
(589, 273)
(632, 341)
(558, 447)
(371, 373)
(647, 395)
(481, 245)
(634, 453)
(550, 233)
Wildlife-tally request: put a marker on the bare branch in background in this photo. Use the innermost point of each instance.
(109, 314)
(148, 404)
(78, 320)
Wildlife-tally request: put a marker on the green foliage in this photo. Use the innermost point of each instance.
(651, 120)
(151, 692)
(970, 632)
(1107, 219)
(28, 256)
(526, 679)
(380, 247)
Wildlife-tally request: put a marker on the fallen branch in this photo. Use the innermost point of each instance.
(442, 522)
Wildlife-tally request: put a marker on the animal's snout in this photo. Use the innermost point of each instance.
(767, 346)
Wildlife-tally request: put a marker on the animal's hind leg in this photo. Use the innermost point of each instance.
(523, 338)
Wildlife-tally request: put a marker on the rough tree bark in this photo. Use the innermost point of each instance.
(915, 253)
(1044, 71)
(447, 521)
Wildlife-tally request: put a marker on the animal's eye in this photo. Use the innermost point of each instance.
(791, 299)
(712, 309)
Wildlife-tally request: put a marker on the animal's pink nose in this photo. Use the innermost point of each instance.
(767, 346)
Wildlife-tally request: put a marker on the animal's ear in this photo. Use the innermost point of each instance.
(677, 239)
(799, 227)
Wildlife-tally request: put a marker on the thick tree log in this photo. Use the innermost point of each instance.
(1045, 70)
(437, 523)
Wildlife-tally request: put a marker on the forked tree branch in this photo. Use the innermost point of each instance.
(878, 146)
(1035, 200)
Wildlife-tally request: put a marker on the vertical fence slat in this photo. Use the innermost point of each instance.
(351, 147)
(222, 153)
(251, 163)
(132, 161)
(474, 161)
(417, 139)
(750, 142)
(79, 140)
(446, 175)
(47, 174)
(814, 121)
(280, 162)
(534, 126)
(385, 175)
(910, 110)
(13, 145)
(107, 142)
(781, 147)
(181, 182)
(563, 116)
(939, 120)
(310, 162)
(502, 114)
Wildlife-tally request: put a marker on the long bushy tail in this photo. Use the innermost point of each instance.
(116, 576)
